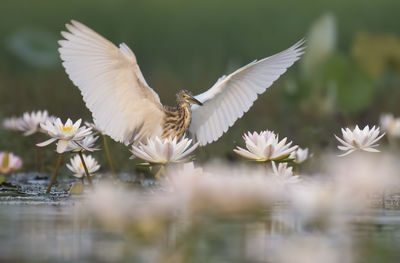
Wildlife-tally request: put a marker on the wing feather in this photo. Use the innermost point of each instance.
(111, 83)
(231, 96)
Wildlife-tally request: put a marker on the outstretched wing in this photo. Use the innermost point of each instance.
(112, 85)
(233, 95)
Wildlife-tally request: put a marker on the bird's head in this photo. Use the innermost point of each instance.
(185, 96)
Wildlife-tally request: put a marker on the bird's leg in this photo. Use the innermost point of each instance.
(85, 167)
(54, 176)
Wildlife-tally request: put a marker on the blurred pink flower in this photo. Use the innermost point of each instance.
(9, 162)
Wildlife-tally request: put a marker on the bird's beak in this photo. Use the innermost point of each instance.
(192, 100)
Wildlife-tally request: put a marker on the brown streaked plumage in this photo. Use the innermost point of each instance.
(177, 119)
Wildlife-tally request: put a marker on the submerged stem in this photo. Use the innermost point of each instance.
(85, 167)
(108, 155)
(54, 176)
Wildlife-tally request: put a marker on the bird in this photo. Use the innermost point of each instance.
(125, 107)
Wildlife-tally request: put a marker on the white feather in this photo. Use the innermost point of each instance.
(231, 96)
(111, 84)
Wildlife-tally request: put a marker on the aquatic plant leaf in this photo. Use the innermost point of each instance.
(375, 52)
(76, 188)
(354, 89)
(2, 179)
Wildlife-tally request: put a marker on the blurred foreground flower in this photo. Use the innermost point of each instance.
(9, 162)
(284, 174)
(163, 151)
(64, 133)
(299, 155)
(357, 139)
(390, 124)
(265, 146)
(76, 165)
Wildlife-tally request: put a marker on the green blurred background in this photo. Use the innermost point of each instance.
(349, 75)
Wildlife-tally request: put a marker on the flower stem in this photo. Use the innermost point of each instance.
(54, 176)
(38, 153)
(108, 155)
(85, 167)
(160, 172)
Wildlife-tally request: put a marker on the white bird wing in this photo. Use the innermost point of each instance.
(112, 85)
(231, 96)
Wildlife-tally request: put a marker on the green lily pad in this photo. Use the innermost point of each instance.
(2, 179)
(76, 188)
(354, 89)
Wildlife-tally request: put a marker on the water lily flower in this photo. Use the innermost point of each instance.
(390, 124)
(30, 122)
(9, 162)
(64, 133)
(358, 139)
(12, 124)
(162, 151)
(94, 127)
(299, 155)
(87, 144)
(284, 174)
(265, 146)
(77, 168)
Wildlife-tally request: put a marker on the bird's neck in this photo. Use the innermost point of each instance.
(176, 120)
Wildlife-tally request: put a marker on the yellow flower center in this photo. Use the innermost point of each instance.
(67, 128)
(81, 165)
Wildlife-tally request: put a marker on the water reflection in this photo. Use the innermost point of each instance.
(61, 233)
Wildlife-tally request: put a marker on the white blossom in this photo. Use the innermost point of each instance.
(164, 151)
(358, 139)
(64, 133)
(265, 146)
(77, 168)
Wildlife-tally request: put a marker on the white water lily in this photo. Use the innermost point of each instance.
(30, 122)
(77, 168)
(284, 174)
(12, 124)
(64, 133)
(299, 155)
(162, 151)
(358, 139)
(390, 124)
(9, 162)
(265, 146)
(87, 144)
